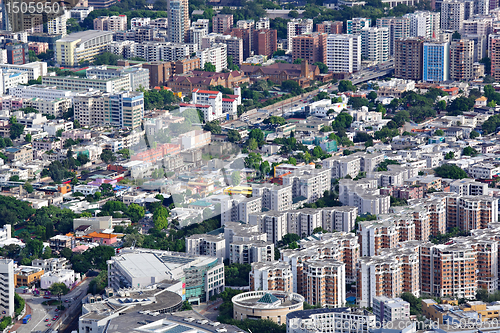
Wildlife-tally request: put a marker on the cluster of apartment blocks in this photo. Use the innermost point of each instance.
(320, 269)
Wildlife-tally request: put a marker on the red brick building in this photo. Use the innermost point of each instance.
(329, 27)
(265, 42)
(310, 47)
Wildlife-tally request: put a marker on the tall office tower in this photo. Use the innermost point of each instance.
(461, 59)
(424, 24)
(310, 47)
(452, 15)
(436, 61)
(399, 27)
(408, 58)
(178, 21)
(298, 27)
(222, 23)
(375, 44)
(329, 27)
(343, 53)
(355, 25)
(265, 41)
(7, 286)
(494, 53)
(469, 9)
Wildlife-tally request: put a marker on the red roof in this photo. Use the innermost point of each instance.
(210, 92)
(195, 105)
(228, 99)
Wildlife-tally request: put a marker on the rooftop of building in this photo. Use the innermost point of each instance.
(84, 36)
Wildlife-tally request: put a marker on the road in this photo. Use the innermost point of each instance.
(41, 312)
(299, 102)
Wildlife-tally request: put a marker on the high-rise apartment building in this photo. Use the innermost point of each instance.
(310, 47)
(436, 61)
(477, 212)
(461, 59)
(494, 53)
(330, 27)
(271, 276)
(57, 26)
(452, 15)
(216, 55)
(399, 28)
(111, 23)
(245, 35)
(265, 41)
(178, 20)
(375, 44)
(123, 109)
(390, 274)
(408, 58)
(355, 25)
(263, 23)
(424, 24)
(343, 53)
(448, 270)
(222, 23)
(298, 27)
(7, 286)
(324, 282)
(278, 198)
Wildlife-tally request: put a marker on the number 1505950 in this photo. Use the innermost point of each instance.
(33, 7)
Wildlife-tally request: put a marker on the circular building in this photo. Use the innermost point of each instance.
(268, 304)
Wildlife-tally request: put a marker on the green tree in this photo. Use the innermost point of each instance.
(323, 69)
(59, 132)
(58, 289)
(450, 171)
(298, 61)
(209, 67)
(469, 151)
(233, 136)
(107, 156)
(236, 178)
(27, 138)
(16, 129)
(161, 223)
(135, 212)
(449, 155)
(372, 95)
(186, 306)
(346, 85)
(441, 105)
(456, 36)
(28, 187)
(474, 134)
(14, 178)
(252, 144)
(439, 132)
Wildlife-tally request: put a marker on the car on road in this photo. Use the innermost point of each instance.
(66, 301)
(46, 319)
(57, 310)
(49, 324)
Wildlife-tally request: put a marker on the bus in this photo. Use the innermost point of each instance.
(26, 319)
